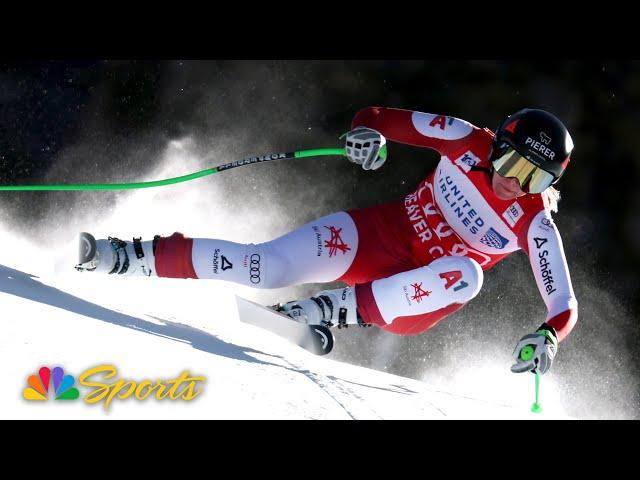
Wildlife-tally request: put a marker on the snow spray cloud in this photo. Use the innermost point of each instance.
(214, 112)
(595, 374)
(232, 112)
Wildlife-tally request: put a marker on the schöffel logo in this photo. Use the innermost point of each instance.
(224, 265)
(494, 239)
(216, 260)
(545, 265)
(38, 388)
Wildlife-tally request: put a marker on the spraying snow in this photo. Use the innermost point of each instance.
(157, 327)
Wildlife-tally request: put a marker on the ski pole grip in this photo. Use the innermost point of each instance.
(526, 353)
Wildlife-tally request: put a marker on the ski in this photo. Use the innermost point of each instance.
(314, 338)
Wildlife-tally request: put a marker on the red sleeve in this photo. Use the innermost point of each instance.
(564, 322)
(414, 128)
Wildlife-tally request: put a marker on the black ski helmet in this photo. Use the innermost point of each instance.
(538, 136)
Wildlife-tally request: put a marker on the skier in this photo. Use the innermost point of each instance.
(408, 264)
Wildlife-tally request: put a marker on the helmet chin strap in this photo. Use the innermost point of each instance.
(489, 171)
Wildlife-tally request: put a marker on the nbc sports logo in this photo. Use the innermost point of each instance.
(38, 388)
(56, 384)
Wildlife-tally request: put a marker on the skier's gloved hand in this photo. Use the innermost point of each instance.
(366, 147)
(535, 352)
(327, 308)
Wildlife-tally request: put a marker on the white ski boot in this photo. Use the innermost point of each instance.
(327, 308)
(116, 256)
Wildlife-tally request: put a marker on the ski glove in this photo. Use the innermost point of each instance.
(535, 352)
(327, 308)
(366, 147)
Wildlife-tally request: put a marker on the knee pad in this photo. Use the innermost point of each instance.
(444, 282)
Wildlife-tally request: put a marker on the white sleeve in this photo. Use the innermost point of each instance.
(549, 264)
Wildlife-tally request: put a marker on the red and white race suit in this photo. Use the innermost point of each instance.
(414, 261)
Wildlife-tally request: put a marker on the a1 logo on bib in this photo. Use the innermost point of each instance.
(513, 213)
(466, 161)
(452, 278)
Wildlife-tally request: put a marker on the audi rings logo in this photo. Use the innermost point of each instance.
(254, 268)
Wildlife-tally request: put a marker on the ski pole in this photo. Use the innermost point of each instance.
(185, 178)
(536, 408)
(527, 354)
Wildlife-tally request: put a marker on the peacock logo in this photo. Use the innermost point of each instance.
(38, 388)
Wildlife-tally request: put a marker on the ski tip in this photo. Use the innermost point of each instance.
(316, 339)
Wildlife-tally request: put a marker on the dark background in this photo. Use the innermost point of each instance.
(102, 121)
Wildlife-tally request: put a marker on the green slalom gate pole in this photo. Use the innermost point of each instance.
(527, 354)
(319, 152)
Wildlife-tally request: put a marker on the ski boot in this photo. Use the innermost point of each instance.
(116, 256)
(327, 309)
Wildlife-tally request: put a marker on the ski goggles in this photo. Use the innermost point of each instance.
(508, 163)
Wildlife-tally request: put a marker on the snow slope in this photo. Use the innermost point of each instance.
(151, 328)
(156, 328)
